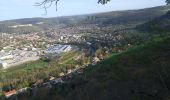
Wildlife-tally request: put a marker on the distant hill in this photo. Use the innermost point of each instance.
(133, 17)
(160, 24)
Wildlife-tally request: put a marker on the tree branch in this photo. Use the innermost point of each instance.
(48, 3)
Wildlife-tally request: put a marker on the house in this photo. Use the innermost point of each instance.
(22, 90)
(69, 71)
(56, 81)
(61, 74)
(10, 93)
(51, 78)
(95, 60)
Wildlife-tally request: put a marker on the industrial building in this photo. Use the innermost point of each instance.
(57, 48)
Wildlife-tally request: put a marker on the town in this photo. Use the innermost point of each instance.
(9, 57)
(22, 48)
(60, 51)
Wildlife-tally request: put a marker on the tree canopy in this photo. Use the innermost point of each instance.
(168, 1)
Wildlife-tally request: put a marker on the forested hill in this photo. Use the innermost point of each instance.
(129, 17)
(160, 24)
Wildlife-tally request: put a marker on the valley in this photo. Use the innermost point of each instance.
(67, 58)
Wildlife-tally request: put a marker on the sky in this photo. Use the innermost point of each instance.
(16, 9)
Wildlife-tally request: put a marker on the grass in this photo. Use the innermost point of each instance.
(27, 66)
(68, 58)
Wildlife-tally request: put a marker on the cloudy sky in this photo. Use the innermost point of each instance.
(15, 9)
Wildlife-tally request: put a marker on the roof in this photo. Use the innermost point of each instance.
(10, 93)
(51, 78)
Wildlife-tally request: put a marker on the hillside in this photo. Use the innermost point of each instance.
(139, 73)
(160, 24)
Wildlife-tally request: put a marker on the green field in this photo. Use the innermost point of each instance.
(68, 58)
(27, 66)
(65, 59)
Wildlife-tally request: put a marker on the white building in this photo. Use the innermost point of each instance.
(3, 64)
(15, 26)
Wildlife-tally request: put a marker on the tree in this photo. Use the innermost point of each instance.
(168, 1)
